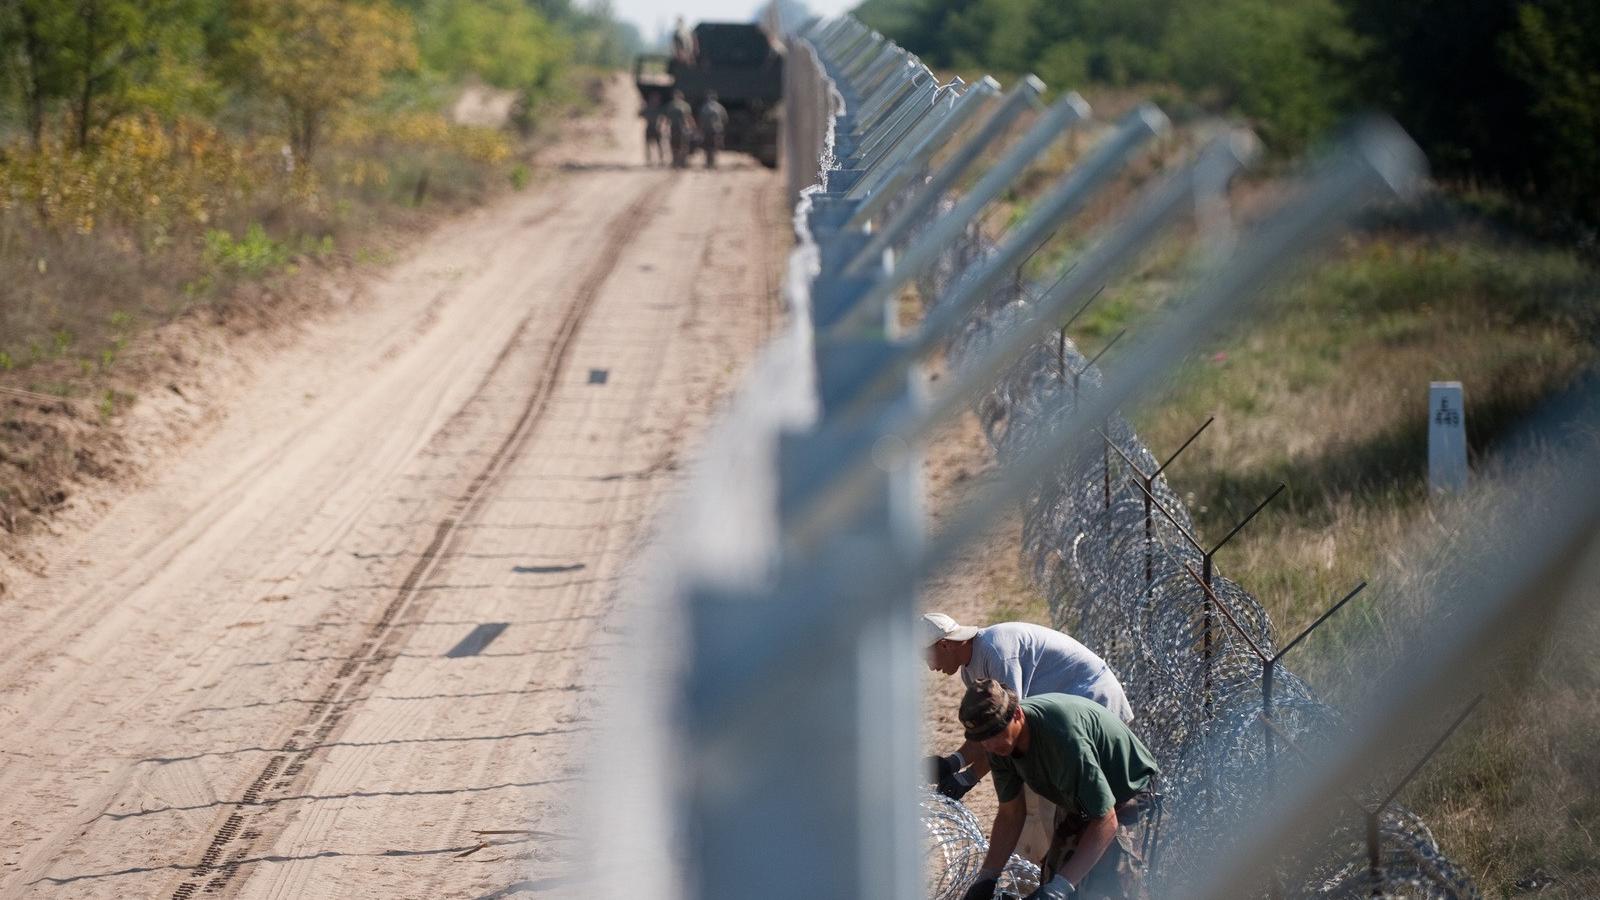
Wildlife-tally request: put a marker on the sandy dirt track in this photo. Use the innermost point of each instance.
(240, 681)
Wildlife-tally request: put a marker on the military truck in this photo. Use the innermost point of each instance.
(743, 65)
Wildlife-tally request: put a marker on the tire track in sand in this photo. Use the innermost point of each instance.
(237, 835)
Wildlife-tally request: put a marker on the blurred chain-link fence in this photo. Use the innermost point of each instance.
(764, 735)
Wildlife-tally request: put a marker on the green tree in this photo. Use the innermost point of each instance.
(31, 33)
(899, 19)
(1505, 91)
(1120, 43)
(1066, 41)
(1274, 61)
(1554, 52)
(917, 25)
(599, 38)
(1500, 91)
(98, 58)
(504, 42)
(1436, 66)
(318, 56)
(123, 54)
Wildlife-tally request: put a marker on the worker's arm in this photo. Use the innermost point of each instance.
(1002, 840)
(1004, 835)
(978, 761)
(1092, 844)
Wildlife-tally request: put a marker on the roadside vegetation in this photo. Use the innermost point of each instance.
(1491, 279)
(1498, 92)
(161, 157)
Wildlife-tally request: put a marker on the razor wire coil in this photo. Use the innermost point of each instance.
(1120, 577)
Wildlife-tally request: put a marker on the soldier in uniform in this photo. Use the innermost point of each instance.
(654, 152)
(713, 120)
(680, 128)
(683, 48)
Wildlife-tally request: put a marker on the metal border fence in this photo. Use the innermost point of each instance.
(775, 751)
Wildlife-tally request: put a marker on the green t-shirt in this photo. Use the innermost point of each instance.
(1080, 757)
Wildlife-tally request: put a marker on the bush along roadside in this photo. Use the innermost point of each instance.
(215, 171)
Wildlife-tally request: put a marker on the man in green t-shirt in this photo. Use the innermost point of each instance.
(1075, 753)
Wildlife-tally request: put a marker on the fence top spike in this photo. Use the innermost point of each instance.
(1320, 619)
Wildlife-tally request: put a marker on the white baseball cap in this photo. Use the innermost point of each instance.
(938, 627)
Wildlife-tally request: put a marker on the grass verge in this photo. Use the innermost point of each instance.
(1326, 392)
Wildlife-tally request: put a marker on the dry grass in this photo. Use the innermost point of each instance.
(1516, 794)
(1327, 393)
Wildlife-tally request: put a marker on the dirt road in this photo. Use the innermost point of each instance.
(351, 629)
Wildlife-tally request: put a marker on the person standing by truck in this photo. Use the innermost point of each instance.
(654, 152)
(680, 128)
(743, 63)
(713, 121)
(683, 43)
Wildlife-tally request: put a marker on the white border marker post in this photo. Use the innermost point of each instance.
(1447, 438)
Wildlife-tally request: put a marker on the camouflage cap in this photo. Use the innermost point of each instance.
(986, 709)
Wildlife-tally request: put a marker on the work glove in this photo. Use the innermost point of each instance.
(941, 768)
(982, 889)
(1057, 888)
(956, 786)
(947, 777)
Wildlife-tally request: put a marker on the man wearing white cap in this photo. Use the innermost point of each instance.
(1029, 659)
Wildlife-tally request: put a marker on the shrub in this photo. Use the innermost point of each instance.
(152, 180)
(253, 255)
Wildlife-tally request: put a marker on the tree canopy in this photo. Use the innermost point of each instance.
(78, 67)
(317, 56)
(1502, 91)
(507, 43)
(95, 60)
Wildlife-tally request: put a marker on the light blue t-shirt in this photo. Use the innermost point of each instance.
(1031, 659)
